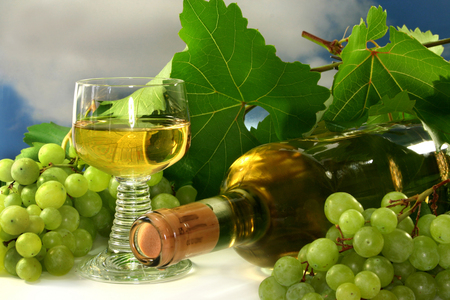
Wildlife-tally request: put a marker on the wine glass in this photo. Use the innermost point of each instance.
(131, 128)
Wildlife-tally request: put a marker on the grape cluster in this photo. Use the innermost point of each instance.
(53, 208)
(373, 253)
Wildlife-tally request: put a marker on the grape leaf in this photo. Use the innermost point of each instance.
(31, 152)
(227, 66)
(366, 75)
(45, 133)
(423, 37)
(142, 102)
(392, 109)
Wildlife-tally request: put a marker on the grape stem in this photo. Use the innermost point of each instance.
(419, 199)
(335, 47)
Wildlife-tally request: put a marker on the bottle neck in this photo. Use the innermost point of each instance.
(167, 236)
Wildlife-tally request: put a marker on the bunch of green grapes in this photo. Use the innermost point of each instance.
(52, 210)
(374, 253)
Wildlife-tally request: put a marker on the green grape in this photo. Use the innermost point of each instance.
(5, 170)
(69, 170)
(164, 200)
(108, 200)
(76, 185)
(25, 171)
(350, 222)
(58, 174)
(83, 242)
(112, 187)
(186, 194)
(155, 178)
(354, 261)
(382, 267)
(318, 281)
(329, 294)
(70, 218)
(384, 219)
(3, 250)
(298, 290)
(68, 239)
(395, 282)
(103, 222)
(398, 246)
(423, 285)
(36, 225)
(29, 269)
(368, 284)
(407, 225)
(444, 255)
(68, 202)
(88, 225)
(339, 202)
(394, 196)
(270, 289)
(333, 234)
(385, 295)
(339, 274)
(44, 178)
(368, 241)
(28, 194)
(14, 220)
(424, 224)
(302, 256)
(51, 239)
(403, 293)
(52, 218)
(322, 254)
(72, 152)
(348, 291)
(425, 255)
(40, 256)
(51, 194)
(6, 236)
(440, 229)
(89, 204)
(312, 296)
(97, 180)
(403, 270)
(287, 270)
(367, 213)
(59, 260)
(12, 199)
(163, 186)
(51, 153)
(11, 259)
(443, 284)
(28, 244)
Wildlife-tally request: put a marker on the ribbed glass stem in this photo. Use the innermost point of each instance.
(133, 200)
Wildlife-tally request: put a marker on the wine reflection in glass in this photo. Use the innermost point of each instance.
(130, 128)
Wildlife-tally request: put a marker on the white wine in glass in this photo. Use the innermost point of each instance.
(130, 128)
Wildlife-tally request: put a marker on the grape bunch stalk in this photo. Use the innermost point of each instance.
(53, 209)
(373, 253)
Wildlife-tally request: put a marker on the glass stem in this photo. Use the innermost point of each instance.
(133, 200)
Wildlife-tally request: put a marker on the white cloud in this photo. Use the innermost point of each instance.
(45, 46)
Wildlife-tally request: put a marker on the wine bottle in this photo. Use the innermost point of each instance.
(271, 201)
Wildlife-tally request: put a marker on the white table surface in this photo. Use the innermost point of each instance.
(218, 275)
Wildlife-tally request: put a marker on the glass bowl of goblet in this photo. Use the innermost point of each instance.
(130, 128)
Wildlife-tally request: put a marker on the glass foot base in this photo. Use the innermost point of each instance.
(113, 267)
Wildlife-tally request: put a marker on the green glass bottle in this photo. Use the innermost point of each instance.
(271, 201)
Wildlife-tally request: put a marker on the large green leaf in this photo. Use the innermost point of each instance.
(366, 75)
(144, 102)
(226, 67)
(45, 133)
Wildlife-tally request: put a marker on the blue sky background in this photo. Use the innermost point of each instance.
(45, 46)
